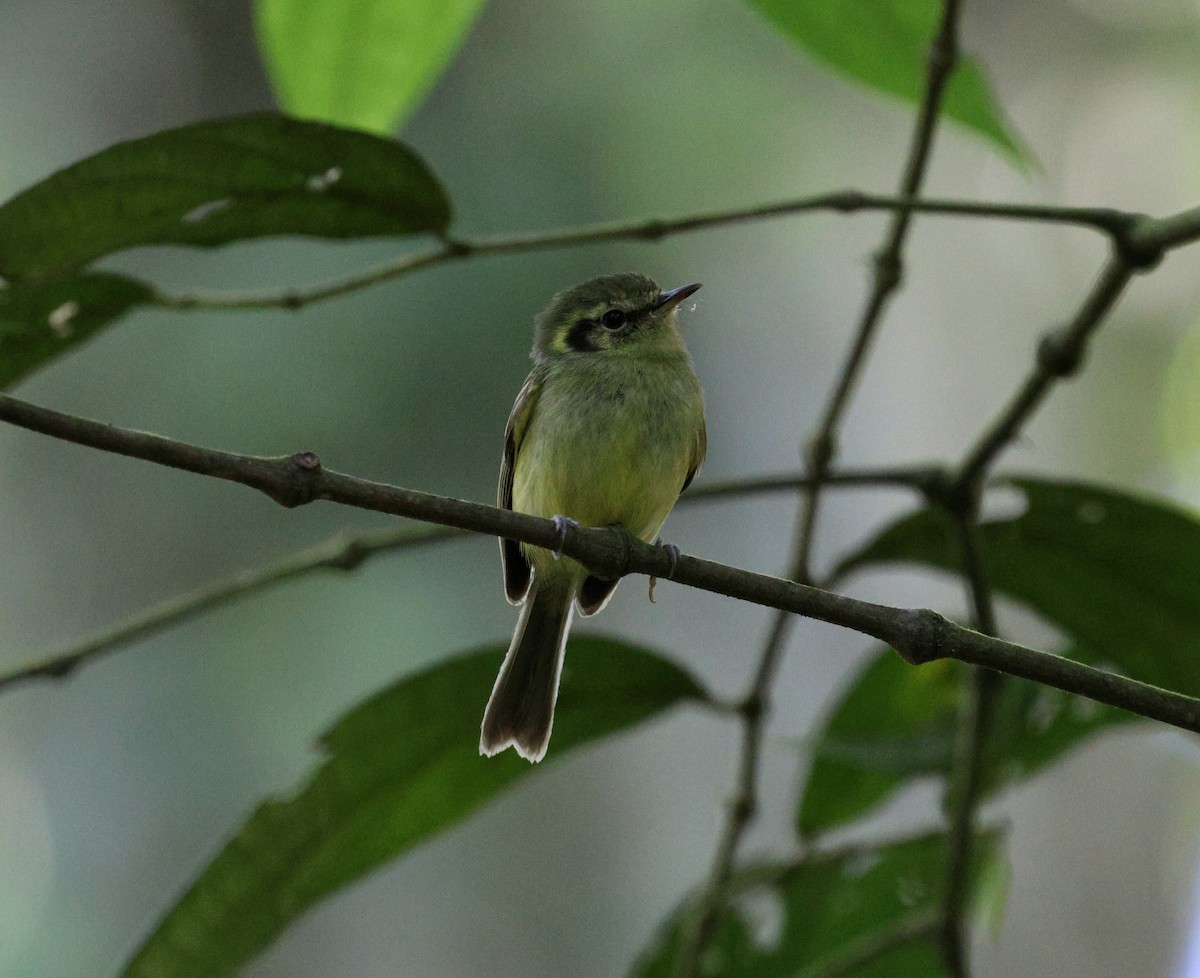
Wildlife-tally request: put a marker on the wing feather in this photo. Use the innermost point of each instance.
(517, 573)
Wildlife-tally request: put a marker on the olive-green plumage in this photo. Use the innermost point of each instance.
(609, 428)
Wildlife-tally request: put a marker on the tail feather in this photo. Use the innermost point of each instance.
(520, 712)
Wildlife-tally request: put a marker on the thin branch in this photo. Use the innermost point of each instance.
(347, 553)
(1115, 224)
(341, 553)
(1060, 354)
(974, 724)
(820, 455)
(919, 635)
(887, 272)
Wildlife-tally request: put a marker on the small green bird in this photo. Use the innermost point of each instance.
(609, 428)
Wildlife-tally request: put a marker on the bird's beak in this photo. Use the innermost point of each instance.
(669, 300)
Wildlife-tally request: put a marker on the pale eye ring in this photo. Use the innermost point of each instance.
(613, 319)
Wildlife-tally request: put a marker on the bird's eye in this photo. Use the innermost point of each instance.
(613, 319)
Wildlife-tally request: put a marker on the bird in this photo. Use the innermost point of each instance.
(608, 429)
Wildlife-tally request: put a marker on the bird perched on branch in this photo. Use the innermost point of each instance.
(608, 429)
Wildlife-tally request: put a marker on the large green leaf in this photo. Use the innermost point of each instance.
(884, 43)
(365, 63)
(1119, 573)
(896, 724)
(403, 765)
(833, 908)
(39, 323)
(216, 182)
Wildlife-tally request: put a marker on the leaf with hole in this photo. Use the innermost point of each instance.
(865, 911)
(214, 183)
(40, 323)
(401, 767)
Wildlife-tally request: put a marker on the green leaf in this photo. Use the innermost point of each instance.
(884, 44)
(864, 912)
(895, 724)
(216, 182)
(402, 766)
(365, 64)
(38, 324)
(1118, 572)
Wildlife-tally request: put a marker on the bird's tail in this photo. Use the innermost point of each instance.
(520, 712)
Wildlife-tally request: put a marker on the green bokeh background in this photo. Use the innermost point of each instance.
(118, 785)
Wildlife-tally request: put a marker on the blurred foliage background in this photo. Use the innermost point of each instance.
(119, 784)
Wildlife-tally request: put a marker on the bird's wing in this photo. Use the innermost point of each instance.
(517, 572)
(699, 450)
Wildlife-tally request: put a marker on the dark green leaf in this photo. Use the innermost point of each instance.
(1119, 573)
(1116, 572)
(869, 910)
(884, 43)
(401, 767)
(216, 182)
(38, 324)
(896, 724)
(365, 64)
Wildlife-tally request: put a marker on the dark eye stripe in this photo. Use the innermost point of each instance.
(582, 336)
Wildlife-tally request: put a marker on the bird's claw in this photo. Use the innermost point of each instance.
(673, 556)
(562, 524)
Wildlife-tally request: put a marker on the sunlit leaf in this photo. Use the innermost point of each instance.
(216, 182)
(400, 767)
(884, 44)
(868, 910)
(365, 64)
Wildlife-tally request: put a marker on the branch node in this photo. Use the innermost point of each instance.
(743, 807)
(653, 230)
(455, 248)
(1059, 353)
(307, 461)
(292, 481)
(753, 706)
(292, 301)
(820, 452)
(937, 485)
(918, 636)
(889, 270)
(847, 200)
(350, 556)
(1131, 244)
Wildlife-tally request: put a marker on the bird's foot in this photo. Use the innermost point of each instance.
(673, 556)
(562, 524)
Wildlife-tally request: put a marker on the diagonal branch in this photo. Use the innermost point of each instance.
(341, 553)
(916, 634)
(347, 553)
(887, 274)
(1060, 354)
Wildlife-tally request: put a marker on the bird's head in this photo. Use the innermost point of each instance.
(625, 313)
